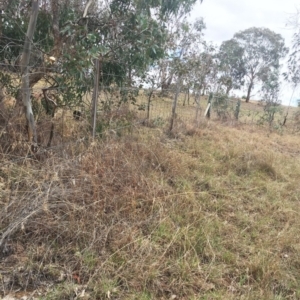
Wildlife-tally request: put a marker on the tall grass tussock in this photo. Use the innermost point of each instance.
(205, 213)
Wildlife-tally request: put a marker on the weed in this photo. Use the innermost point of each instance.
(208, 213)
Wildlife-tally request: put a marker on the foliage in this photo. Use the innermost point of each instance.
(182, 41)
(270, 95)
(202, 69)
(258, 51)
(271, 87)
(128, 37)
(231, 65)
(221, 105)
(293, 73)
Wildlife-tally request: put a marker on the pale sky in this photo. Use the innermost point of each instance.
(224, 18)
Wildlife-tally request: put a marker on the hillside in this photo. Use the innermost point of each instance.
(207, 213)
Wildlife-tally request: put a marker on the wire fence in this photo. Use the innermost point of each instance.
(159, 106)
(123, 109)
(72, 137)
(230, 110)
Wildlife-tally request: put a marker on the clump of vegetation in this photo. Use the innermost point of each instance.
(221, 104)
(183, 208)
(148, 217)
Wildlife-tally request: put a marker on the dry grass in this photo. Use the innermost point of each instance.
(204, 213)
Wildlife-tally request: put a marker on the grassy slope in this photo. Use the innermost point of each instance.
(212, 214)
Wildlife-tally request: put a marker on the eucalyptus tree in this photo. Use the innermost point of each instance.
(25, 78)
(292, 75)
(231, 65)
(126, 35)
(184, 37)
(201, 78)
(258, 51)
(202, 67)
(181, 37)
(270, 95)
(271, 87)
(176, 64)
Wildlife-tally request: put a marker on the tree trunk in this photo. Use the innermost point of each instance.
(237, 109)
(1, 9)
(249, 91)
(197, 109)
(169, 80)
(50, 107)
(129, 76)
(148, 105)
(165, 81)
(204, 87)
(185, 94)
(163, 76)
(174, 105)
(25, 74)
(228, 89)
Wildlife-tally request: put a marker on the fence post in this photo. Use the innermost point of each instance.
(174, 105)
(208, 109)
(95, 97)
(148, 105)
(237, 109)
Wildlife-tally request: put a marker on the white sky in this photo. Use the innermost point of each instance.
(224, 18)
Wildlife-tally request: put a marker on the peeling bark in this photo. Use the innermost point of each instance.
(25, 88)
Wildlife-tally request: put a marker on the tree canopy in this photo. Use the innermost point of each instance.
(128, 36)
(131, 38)
(257, 52)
